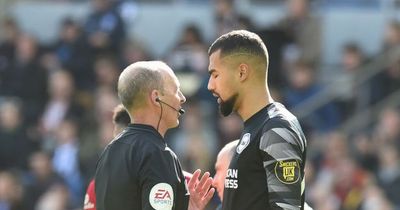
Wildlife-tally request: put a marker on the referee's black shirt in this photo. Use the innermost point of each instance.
(267, 169)
(138, 171)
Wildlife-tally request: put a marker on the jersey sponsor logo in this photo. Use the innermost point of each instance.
(243, 143)
(231, 179)
(231, 183)
(287, 171)
(232, 173)
(88, 203)
(161, 196)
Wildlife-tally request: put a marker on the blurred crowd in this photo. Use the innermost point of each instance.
(56, 103)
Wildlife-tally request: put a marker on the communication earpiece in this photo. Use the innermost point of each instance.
(180, 111)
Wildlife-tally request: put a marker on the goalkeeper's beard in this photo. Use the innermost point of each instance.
(226, 107)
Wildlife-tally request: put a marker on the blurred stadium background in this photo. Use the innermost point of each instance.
(334, 63)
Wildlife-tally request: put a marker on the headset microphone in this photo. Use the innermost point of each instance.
(180, 111)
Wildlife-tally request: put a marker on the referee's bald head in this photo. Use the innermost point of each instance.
(138, 79)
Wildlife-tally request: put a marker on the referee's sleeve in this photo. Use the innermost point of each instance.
(157, 190)
(282, 152)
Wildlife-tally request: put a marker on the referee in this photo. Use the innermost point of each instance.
(267, 169)
(137, 170)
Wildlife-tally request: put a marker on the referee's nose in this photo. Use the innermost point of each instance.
(182, 97)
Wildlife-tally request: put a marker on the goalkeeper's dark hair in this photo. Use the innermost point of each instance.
(240, 42)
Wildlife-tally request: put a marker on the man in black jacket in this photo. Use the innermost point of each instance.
(138, 170)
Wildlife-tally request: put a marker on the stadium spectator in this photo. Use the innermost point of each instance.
(226, 17)
(27, 79)
(106, 71)
(303, 86)
(10, 192)
(66, 160)
(15, 144)
(60, 105)
(56, 198)
(355, 98)
(134, 51)
(72, 51)
(389, 172)
(304, 30)
(39, 179)
(189, 55)
(104, 28)
(8, 43)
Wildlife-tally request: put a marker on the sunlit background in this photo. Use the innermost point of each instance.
(334, 63)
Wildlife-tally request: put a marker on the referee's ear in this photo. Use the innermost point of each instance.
(154, 97)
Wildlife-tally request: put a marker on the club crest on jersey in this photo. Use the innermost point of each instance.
(287, 171)
(243, 143)
(161, 196)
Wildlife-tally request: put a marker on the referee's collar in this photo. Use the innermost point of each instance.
(145, 127)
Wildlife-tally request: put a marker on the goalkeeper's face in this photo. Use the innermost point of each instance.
(223, 82)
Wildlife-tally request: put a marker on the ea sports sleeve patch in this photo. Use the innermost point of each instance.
(161, 196)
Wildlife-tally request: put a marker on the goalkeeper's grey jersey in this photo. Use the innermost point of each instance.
(267, 169)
